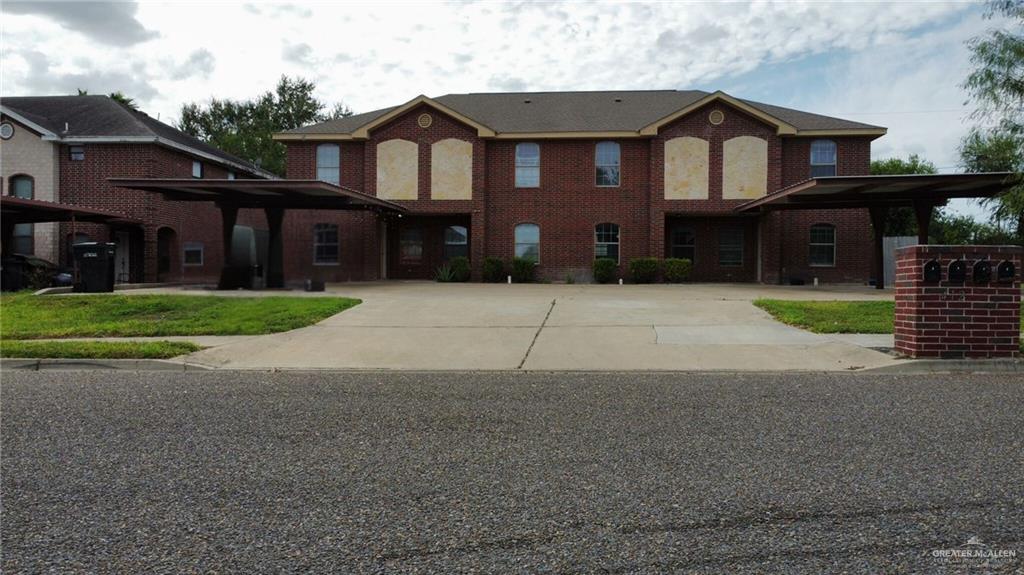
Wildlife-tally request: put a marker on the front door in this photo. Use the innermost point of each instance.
(122, 257)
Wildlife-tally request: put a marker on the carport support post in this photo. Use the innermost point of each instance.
(228, 216)
(923, 211)
(878, 217)
(275, 248)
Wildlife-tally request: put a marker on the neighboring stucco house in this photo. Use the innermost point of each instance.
(64, 148)
(564, 177)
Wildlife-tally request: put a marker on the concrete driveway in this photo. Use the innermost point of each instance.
(426, 325)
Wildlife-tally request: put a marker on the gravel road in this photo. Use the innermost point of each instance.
(235, 472)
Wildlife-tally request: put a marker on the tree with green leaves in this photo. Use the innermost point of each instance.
(901, 221)
(118, 97)
(996, 88)
(244, 128)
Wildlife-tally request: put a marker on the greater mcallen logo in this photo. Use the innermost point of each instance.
(974, 553)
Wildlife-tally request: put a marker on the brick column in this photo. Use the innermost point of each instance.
(957, 319)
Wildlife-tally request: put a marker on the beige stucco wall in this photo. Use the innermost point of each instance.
(27, 153)
(397, 170)
(744, 168)
(686, 169)
(451, 170)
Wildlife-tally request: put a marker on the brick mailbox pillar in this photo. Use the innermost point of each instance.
(958, 301)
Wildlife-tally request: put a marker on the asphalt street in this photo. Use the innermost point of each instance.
(243, 472)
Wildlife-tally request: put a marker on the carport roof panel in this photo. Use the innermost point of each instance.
(25, 211)
(867, 191)
(293, 194)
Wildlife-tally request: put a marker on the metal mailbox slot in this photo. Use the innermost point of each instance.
(982, 271)
(932, 272)
(1006, 271)
(958, 271)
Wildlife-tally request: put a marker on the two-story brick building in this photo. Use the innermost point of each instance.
(65, 148)
(564, 177)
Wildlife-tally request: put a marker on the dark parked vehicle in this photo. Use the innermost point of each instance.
(19, 272)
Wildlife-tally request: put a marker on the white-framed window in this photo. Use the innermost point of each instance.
(823, 158)
(527, 240)
(193, 254)
(328, 163)
(456, 242)
(822, 246)
(730, 246)
(607, 161)
(326, 250)
(527, 165)
(410, 245)
(76, 153)
(683, 243)
(231, 175)
(197, 169)
(23, 186)
(606, 241)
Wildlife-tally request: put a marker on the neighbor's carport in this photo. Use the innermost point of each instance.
(878, 194)
(272, 196)
(14, 211)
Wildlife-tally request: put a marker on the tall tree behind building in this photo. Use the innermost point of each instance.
(244, 128)
(901, 221)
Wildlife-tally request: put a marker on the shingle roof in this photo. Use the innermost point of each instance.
(606, 111)
(100, 116)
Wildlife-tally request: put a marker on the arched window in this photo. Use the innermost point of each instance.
(823, 245)
(823, 158)
(527, 165)
(528, 242)
(325, 244)
(456, 242)
(23, 186)
(606, 241)
(606, 160)
(328, 163)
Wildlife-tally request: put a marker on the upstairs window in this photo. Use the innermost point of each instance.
(527, 237)
(607, 162)
(23, 187)
(823, 158)
(231, 175)
(456, 242)
(325, 244)
(730, 247)
(328, 163)
(823, 245)
(606, 241)
(197, 169)
(76, 153)
(527, 165)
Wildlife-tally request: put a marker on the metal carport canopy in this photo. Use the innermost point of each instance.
(272, 196)
(16, 210)
(877, 194)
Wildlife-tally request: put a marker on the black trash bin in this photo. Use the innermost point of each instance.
(95, 267)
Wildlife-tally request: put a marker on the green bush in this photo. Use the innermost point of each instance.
(604, 270)
(644, 270)
(523, 270)
(444, 274)
(460, 268)
(570, 279)
(677, 270)
(494, 270)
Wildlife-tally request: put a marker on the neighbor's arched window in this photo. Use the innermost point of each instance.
(528, 242)
(607, 162)
(823, 245)
(328, 163)
(527, 165)
(823, 158)
(456, 242)
(606, 241)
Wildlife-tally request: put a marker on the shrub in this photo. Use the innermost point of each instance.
(444, 274)
(460, 268)
(522, 270)
(494, 270)
(644, 270)
(604, 270)
(677, 270)
(570, 279)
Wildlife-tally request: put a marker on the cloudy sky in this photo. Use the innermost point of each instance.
(896, 64)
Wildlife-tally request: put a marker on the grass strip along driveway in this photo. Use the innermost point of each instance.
(832, 316)
(24, 316)
(96, 349)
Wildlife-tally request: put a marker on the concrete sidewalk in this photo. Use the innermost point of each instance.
(430, 326)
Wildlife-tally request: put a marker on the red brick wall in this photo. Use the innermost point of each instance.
(956, 320)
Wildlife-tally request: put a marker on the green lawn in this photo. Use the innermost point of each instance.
(832, 316)
(24, 316)
(96, 349)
